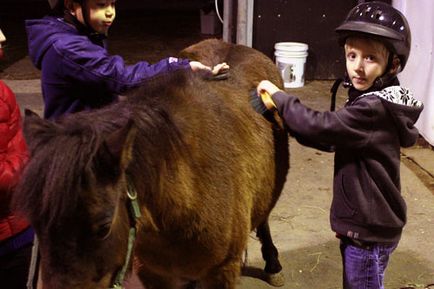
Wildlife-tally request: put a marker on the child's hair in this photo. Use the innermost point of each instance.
(379, 21)
(378, 45)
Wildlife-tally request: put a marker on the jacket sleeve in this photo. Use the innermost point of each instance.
(350, 126)
(13, 149)
(92, 64)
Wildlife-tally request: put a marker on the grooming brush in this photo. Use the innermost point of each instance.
(262, 103)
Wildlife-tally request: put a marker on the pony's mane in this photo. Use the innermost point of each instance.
(62, 154)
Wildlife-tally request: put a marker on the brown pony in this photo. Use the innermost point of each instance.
(206, 168)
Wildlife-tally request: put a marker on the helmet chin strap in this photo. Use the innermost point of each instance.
(347, 81)
(84, 27)
(388, 76)
(86, 16)
(384, 80)
(72, 19)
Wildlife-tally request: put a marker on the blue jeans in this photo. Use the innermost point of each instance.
(364, 266)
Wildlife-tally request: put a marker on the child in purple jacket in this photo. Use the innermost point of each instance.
(77, 71)
(368, 212)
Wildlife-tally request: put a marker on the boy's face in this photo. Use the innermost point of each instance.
(101, 13)
(366, 59)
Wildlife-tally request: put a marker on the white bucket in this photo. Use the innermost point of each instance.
(291, 62)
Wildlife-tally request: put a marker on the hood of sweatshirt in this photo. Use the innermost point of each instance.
(42, 33)
(404, 109)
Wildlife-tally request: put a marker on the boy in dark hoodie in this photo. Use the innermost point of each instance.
(69, 48)
(367, 211)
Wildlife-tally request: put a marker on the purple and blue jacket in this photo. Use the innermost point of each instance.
(78, 73)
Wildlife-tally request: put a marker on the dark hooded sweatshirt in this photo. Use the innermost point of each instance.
(77, 71)
(367, 135)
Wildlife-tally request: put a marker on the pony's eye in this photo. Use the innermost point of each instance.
(103, 231)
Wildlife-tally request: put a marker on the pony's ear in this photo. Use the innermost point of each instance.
(30, 113)
(35, 128)
(120, 143)
(115, 153)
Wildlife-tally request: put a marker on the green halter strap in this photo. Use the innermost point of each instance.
(135, 214)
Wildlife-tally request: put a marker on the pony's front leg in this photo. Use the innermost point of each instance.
(223, 277)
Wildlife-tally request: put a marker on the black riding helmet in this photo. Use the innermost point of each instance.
(58, 8)
(380, 21)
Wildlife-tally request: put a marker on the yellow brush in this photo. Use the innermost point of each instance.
(262, 103)
(267, 100)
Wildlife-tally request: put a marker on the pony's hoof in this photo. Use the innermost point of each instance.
(276, 279)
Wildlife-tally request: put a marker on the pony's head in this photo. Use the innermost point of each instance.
(74, 188)
(73, 191)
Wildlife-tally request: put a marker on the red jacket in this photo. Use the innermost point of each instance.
(13, 155)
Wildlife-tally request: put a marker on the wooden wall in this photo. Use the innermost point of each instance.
(309, 21)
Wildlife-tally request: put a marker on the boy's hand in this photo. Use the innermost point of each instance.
(267, 86)
(218, 69)
(266, 89)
